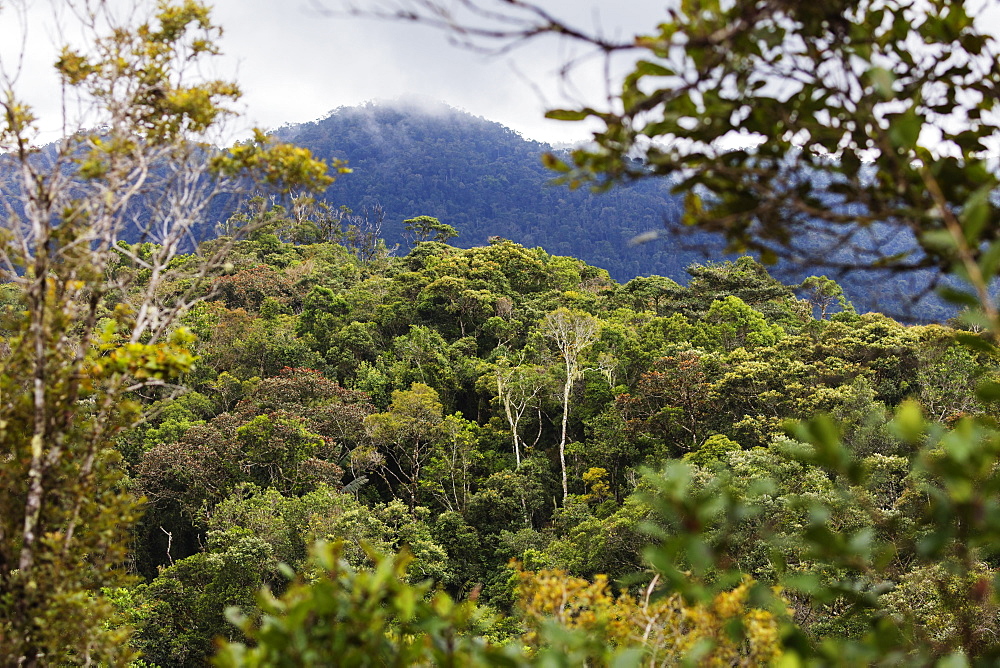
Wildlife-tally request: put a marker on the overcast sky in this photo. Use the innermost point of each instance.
(296, 63)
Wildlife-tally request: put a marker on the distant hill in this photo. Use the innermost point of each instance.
(487, 180)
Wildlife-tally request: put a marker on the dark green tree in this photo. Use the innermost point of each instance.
(406, 434)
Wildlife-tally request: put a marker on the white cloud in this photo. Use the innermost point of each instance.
(296, 64)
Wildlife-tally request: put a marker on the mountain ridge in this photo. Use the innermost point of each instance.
(486, 180)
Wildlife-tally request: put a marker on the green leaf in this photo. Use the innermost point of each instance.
(554, 163)
(953, 660)
(956, 296)
(629, 658)
(904, 129)
(940, 241)
(976, 212)
(909, 423)
(976, 343)
(988, 391)
(882, 81)
(698, 652)
(646, 68)
(806, 583)
(989, 261)
(406, 603)
(789, 660)
(567, 114)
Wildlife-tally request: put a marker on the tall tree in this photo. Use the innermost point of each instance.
(95, 323)
(572, 332)
(517, 389)
(824, 295)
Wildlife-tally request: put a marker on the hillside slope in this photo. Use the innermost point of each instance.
(486, 180)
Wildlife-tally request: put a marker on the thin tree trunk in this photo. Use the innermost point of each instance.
(33, 503)
(567, 388)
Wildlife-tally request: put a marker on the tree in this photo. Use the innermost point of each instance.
(407, 433)
(658, 631)
(427, 228)
(823, 294)
(361, 233)
(96, 322)
(948, 377)
(423, 357)
(675, 395)
(572, 332)
(180, 613)
(857, 135)
(647, 293)
(354, 617)
(349, 617)
(276, 451)
(455, 297)
(449, 474)
(517, 388)
(745, 278)
(731, 324)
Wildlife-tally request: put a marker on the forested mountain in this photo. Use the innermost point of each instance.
(485, 180)
(417, 158)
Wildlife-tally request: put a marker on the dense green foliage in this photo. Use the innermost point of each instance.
(418, 402)
(487, 181)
